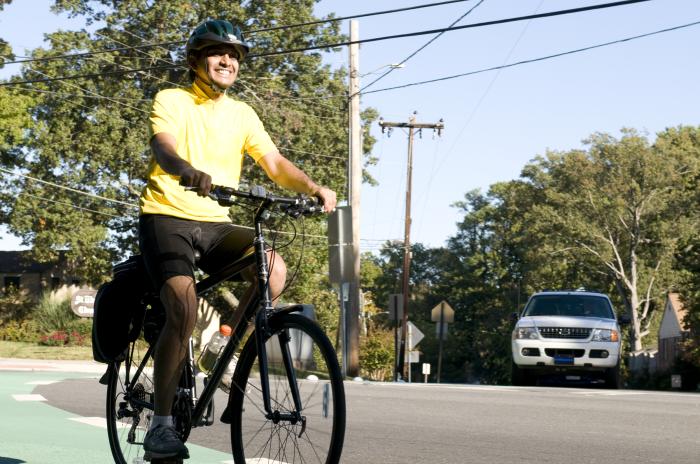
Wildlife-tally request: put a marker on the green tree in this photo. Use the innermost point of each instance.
(90, 134)
(616, 209)
(610, 217)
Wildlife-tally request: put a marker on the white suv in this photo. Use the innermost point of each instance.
(574, 333)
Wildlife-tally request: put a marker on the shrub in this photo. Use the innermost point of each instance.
(377, 355)
(14, 305)
(63, 338)
(20, 331)
(51, 315)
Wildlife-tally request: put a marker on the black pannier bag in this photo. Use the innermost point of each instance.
(119, 311)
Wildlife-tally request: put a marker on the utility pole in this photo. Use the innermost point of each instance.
(351, 347)
(412, 125)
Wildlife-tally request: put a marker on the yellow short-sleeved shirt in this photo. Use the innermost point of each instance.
(213, 137)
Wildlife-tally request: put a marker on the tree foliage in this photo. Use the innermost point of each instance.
(616, 217)
(90, 134)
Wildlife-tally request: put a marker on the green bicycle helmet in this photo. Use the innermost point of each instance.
(215, 32)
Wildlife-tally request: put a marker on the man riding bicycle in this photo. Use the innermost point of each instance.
(198, 138)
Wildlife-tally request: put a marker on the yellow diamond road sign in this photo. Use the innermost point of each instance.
(448, 314)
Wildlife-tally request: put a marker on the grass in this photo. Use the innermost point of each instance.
(33, 351)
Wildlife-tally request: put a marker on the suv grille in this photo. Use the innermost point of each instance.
(565, 332)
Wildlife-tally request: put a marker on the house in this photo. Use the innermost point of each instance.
(672, 331)
(18, 270)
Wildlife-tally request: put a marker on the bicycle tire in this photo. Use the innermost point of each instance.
(256, 439)
(126, 433)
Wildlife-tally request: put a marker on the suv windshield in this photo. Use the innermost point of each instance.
(569, 305)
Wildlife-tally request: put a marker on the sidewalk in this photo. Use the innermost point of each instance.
(44, 365)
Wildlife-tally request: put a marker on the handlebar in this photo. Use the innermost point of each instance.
(292, 206)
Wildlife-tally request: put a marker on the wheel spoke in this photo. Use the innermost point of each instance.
(318, 439)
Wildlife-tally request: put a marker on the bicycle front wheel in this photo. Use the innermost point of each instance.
(318, 437)
(130, 404)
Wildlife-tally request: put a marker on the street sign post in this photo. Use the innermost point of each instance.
(442, 314)
(396, 315)
(414, 336)
(426, 372)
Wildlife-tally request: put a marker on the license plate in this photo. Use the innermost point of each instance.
(560, 359)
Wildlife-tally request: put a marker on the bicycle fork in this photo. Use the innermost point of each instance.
(262, 332)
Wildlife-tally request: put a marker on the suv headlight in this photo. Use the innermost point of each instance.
(525, 332)
(605, 335)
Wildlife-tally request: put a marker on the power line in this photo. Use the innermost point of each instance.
(393, 68)
(97, 94)
(534, 60)
(313, 154)
(71, 205)
(253, 31)
(81, 192)
(90, 76)
(456, 28)
(142, 52)
(340, 44)
(81, 95)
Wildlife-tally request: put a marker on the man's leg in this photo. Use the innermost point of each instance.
(180, 301)
(277, 279)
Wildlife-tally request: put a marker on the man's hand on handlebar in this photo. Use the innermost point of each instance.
(199, 180)
(327, 198)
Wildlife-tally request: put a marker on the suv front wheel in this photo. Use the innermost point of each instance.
(612, 377)
(520, 377)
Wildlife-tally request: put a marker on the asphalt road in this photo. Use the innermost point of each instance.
(389, 423)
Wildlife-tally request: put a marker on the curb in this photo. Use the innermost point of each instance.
(45, 365)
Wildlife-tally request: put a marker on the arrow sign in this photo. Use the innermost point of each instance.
(414, 335)
(448, 314)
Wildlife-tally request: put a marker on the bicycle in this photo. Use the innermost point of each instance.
(285, 404)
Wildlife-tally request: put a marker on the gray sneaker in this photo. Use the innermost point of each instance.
(163, 442)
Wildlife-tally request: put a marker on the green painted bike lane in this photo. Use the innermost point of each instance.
(35, 432)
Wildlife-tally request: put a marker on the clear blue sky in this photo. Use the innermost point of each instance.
(497, 121)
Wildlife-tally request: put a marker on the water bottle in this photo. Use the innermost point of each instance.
(208, 358)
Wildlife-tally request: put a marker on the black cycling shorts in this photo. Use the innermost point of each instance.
(168, 245)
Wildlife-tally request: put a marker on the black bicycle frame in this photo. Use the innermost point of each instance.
(259, 308)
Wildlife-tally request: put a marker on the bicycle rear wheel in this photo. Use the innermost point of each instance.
(318, 438)
(130, 403)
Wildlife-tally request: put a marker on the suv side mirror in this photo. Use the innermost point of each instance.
(514, 316)
(624, 319)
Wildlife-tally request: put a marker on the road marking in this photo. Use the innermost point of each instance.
(608, 393)
(484, 388)
(258, 461)
(43, 382)
(26, 397)
(100, 422)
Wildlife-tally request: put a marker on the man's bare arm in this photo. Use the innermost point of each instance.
(285, 174)
(164, 148)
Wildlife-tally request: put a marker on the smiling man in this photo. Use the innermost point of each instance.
(199, 136)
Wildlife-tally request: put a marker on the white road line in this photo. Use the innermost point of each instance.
(100, 422)
(258, 461)
(42, 382)
(484, 388)
(26, 397)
